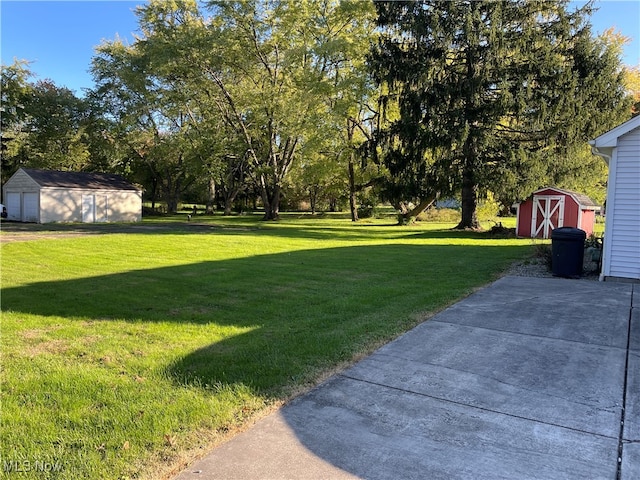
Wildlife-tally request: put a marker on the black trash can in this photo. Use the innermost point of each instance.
(567, 251)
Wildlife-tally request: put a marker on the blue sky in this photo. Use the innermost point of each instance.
(59, 36)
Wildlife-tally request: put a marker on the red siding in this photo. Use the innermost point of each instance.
(571, 213)
(524, 218)
(588, 221)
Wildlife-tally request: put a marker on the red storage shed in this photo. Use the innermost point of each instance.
(550, 208)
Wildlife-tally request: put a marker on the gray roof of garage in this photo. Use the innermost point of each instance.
(86, 180)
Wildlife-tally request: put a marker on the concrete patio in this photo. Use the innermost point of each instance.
(528, 378)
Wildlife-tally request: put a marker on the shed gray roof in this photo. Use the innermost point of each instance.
(85, 180)
(582, 199)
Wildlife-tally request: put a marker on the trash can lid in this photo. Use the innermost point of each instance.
(567, 233)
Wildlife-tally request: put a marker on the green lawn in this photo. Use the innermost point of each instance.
(125, 353)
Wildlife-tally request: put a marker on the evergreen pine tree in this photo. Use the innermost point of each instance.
(489, 91)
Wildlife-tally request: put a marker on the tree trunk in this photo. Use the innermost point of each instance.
(229, 198)
(470, 152)
(172, 204)
(313, 198)
(154, 190)
(172, 196)
(270, 200)
(228, 206)
(405, 215)
(469, 202)
(211, 197)
(353, 205)
(272, 211)
(401, 207)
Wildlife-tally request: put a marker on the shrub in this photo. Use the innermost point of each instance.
(366, 211)
(441, 215)
(488, 208)
(543, 252)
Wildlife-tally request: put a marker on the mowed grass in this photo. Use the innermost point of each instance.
(126, 354)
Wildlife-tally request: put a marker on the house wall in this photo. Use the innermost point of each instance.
(571, 213)
(588, 221)
(19, 193)
(572, 216)
(622, 224)
(571, 208)
(523, 228)
(27, 201)
(78, 205)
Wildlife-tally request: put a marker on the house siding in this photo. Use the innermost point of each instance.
(623, 218)
(574, 214)
(65, 205)
(21, 182)
(19, 194)
(31, 201)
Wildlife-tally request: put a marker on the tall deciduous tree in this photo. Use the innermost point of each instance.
(632, 78)
(157, 120)
(281, 68)
(43, 125)
(271, 71)
(347, 30)
(15, 90)
(56, 124)
(490, 90)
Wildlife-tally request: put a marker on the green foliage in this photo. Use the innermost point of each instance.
(367, 211)
(125, 353)
(244, 102)
(157, 119)
(632, 82)
(15, 89)
(320, 181)
(238, 91)
(543, 253)
(488, 208)
(439, 215)
(43, 125)
(492, 96)
(56, 120)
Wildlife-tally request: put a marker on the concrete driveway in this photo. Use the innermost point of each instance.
(528, 378)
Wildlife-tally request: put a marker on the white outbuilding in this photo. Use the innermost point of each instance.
(620, 148)
(45, 196)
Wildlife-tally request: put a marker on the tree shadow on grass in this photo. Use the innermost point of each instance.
(301, 312)
(172, 226)
(235, 226)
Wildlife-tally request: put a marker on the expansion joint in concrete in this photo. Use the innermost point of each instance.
(483, 409)
(624, 388)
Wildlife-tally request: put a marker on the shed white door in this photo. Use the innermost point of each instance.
(548, 214)
(14, 209)
(88, 209)
(30, 201)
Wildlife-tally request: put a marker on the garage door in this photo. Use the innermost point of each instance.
(14, 212)
(30, 207)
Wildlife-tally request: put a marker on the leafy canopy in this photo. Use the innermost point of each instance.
(491, 95)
